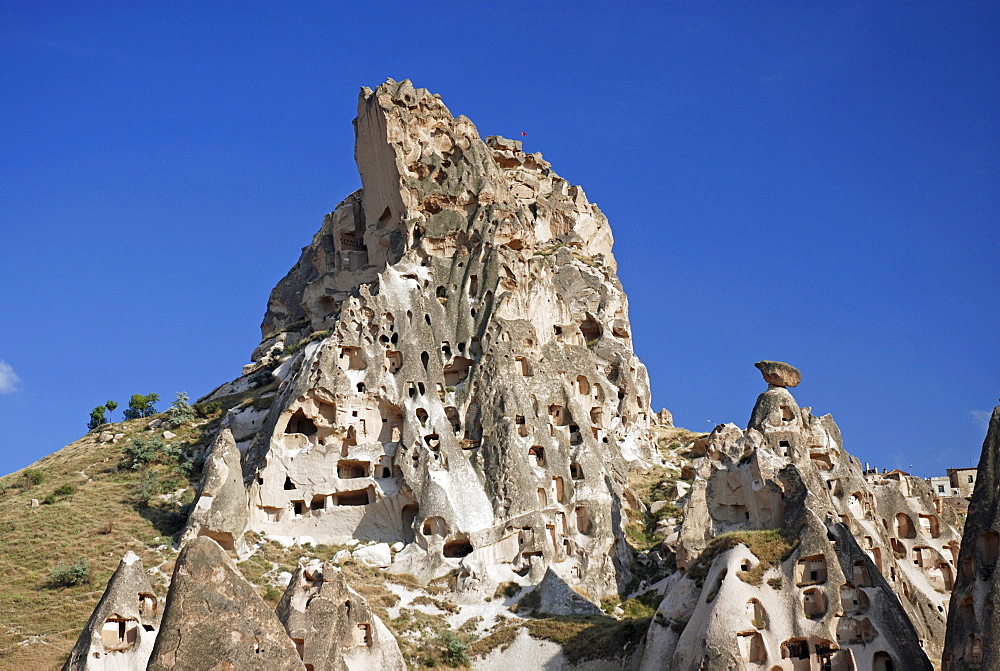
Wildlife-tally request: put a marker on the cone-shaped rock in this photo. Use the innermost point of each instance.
(332, 626)
(121, 632)
(974, 619)
(214, 618)
(220, 512)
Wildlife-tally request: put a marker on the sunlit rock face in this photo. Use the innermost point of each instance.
(332, 626)
(455, 365)
(835, 595)
(214, 618)
(973, 620)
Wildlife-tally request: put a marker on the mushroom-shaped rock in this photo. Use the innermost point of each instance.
(222, 509)
(120, 633)
(779, 373)
(214, 618)
(332, 625)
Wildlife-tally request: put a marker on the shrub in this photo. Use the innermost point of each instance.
(206, 410)
(30, 477)
(65, 490)
(145, 489)
(141, 452)
(455, 653)
(77, 573)
(180, 411)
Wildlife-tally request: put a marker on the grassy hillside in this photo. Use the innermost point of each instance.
(92, 509)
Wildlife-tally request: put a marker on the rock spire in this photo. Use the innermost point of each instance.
(973, 621)
(451, 366)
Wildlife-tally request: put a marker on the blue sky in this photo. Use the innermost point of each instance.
(809, 182)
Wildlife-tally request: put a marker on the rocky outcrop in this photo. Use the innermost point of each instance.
(779, 373)
(220, 512)
(785, 543)
(973, 639)
(332, 626)
(121, 632)
(454, 366)
(214, 618)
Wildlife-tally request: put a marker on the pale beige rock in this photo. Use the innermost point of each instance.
(221, 510)
(214, 618)
(122, 629)
(842, 597)
(464, 381)
(332, 626)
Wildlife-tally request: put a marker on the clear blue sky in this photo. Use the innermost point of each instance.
(811, 182)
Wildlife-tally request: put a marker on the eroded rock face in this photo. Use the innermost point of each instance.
(214, 618)
(464, 381)
(973, 621)
(220, 511)
(121, 632)
(779, 373)
(835, 599)
(332, 626)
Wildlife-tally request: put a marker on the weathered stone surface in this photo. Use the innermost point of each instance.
(332, 626)
(779, 373)
(842, 597)
(221, 509)
(122, 629)
(460, 375)
(973, 638)
(378, 555)
(214, 618)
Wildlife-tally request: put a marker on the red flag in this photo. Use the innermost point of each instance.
(523, 133)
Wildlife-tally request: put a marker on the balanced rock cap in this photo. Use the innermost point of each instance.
(779, 373)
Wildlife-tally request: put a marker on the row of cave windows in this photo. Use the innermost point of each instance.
(298, 423)
(348, 469)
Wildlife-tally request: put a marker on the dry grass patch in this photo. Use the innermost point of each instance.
(91, 514)
(770, 546)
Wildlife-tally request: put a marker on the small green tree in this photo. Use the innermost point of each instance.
(180, 411)
(141, 406)
(97, 419)
(110, 405)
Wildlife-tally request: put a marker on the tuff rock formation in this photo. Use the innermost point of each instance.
(121, 631)
(214, 618)
(446, 376)
(973, 622)
(222, 502)
(787, 555)
(332, 626)
(453, 367)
